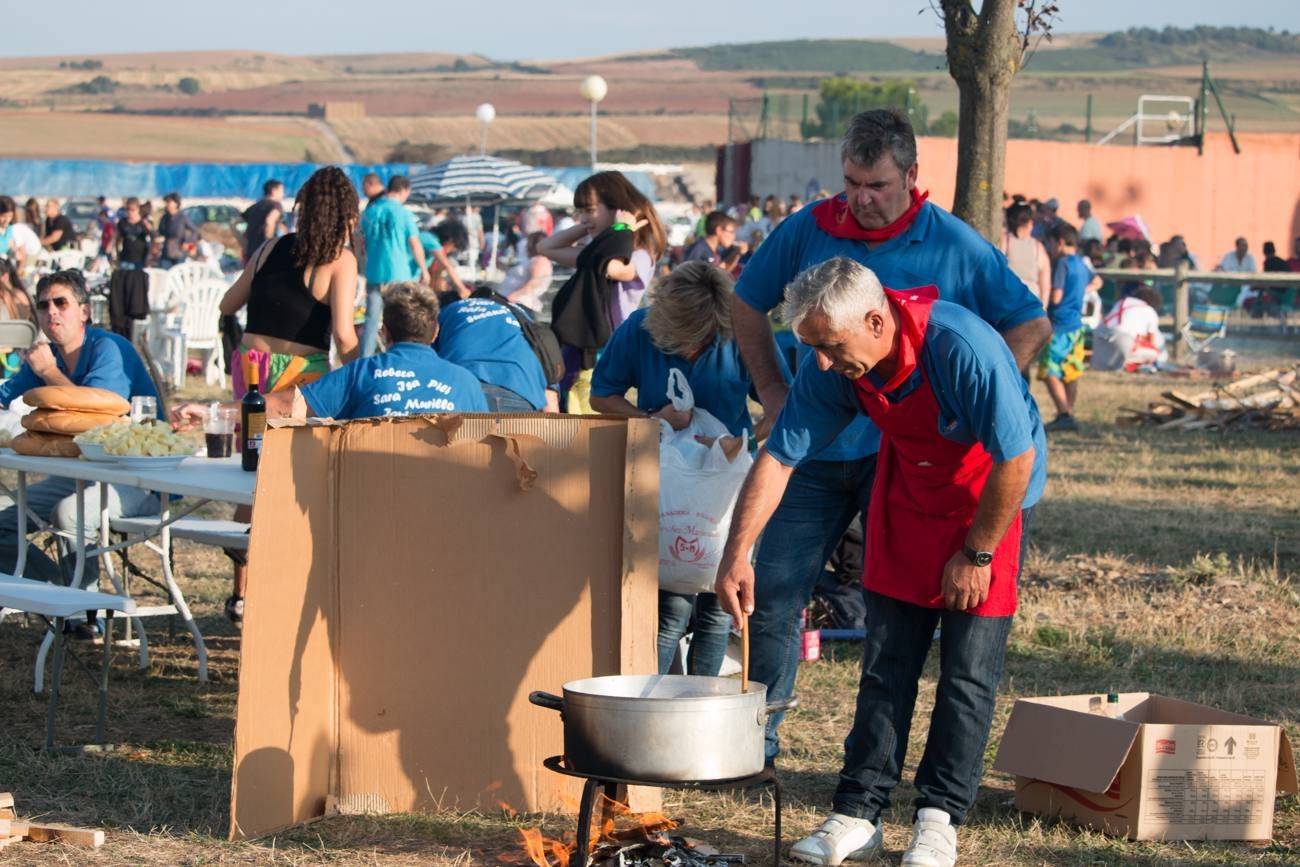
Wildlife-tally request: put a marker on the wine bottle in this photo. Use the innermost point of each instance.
(252, 422)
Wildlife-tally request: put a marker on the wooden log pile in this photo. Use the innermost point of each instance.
(1263, 401)
(15, 830)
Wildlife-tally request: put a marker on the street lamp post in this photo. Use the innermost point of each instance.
(486, 113)
(593, 89)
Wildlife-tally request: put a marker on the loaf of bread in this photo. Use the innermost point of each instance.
(77, 397)
(65, 421)
(45, 445)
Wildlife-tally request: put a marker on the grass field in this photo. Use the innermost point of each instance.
(65, 135)
(1158, 561)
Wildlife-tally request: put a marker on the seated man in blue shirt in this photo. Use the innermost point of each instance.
(409, 378)
(485, 337)
(77, 354)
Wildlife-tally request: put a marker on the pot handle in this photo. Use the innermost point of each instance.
(546, 700)
(782, 704)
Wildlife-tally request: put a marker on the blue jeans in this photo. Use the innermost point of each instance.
(504, 400)
(971, 651)
(374, 318)
(712, 629)
(818, 506)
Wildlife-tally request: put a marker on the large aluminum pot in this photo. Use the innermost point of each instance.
(663, 728)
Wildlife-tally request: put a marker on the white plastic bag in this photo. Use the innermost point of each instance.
(698, 486)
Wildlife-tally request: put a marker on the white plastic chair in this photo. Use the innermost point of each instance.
(198, 328)
(69, 257)
(17, 333)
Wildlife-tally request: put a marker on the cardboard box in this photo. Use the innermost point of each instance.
(412, 580)
(1169, 770)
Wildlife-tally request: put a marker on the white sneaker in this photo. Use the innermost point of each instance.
(934, 840)
(840, 838)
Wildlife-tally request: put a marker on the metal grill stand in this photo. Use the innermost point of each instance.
(609, 787)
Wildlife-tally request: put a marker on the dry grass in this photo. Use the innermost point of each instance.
(1160, 561)
(59, 135)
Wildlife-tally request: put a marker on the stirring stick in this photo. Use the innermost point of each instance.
(744, 653)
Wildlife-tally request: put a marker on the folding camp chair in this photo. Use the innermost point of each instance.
(1208, 323)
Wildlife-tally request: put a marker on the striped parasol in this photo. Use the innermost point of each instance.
(481, 179)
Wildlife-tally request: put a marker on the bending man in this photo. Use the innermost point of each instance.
(962, 453)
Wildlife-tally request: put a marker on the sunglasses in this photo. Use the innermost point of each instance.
(62, 302)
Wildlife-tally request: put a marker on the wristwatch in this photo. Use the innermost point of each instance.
(979, 558)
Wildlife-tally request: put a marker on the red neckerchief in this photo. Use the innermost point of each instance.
(911, 335)
(835, 219)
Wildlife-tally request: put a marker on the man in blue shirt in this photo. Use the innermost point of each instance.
(962, 454)
(75, 355)
(485, 337)
(408, 379)
(1061, 362)
(882, 221)
(393, 253)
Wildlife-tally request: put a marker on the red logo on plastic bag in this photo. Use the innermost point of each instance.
(1165, 746)
(687, 550)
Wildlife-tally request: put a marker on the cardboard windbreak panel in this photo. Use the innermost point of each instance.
(1169, 770)
(411, 581)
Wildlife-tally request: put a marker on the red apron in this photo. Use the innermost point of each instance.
(927, 486)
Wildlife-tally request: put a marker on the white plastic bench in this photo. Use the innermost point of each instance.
(59, 603)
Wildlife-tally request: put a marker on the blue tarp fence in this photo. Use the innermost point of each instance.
(90, 178)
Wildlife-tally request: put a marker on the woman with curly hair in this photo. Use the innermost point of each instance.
(300, 290)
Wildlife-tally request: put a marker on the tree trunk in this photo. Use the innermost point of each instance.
(984, 54)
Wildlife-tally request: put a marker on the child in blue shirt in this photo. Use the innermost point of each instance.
(1061, 363)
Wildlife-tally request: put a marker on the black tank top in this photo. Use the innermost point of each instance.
(280, 305)
(135, 241)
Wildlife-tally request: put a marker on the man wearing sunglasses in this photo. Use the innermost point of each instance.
(76, 354)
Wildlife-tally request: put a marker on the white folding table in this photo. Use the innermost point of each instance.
(205, 479)
(53, 601)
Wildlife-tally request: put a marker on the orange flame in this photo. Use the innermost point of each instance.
(618, 825)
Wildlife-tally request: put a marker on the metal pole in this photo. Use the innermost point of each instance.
(1087, 128)
(1180, 310)
(593, 135)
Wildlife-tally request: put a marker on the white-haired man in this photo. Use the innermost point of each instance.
(962, 453)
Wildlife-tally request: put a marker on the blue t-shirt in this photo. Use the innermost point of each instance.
(718, 377)
(430, 243)
(106, 361)
(1072, 275)
(409, 378)
(484, 337)
(388, 227)
(981, 395)
(937, 249)
(6, 239)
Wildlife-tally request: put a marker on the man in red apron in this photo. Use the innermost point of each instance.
(962, 458)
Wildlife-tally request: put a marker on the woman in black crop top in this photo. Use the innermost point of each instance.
(301, 291)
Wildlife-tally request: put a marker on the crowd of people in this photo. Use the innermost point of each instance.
(908, 408)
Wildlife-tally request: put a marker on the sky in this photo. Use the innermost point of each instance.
(545, 29)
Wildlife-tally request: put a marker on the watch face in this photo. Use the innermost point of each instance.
(983, 558)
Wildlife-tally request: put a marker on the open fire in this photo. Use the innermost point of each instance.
(626, 839)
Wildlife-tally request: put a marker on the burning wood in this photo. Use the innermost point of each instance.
(1264, 401)
(626, 840)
